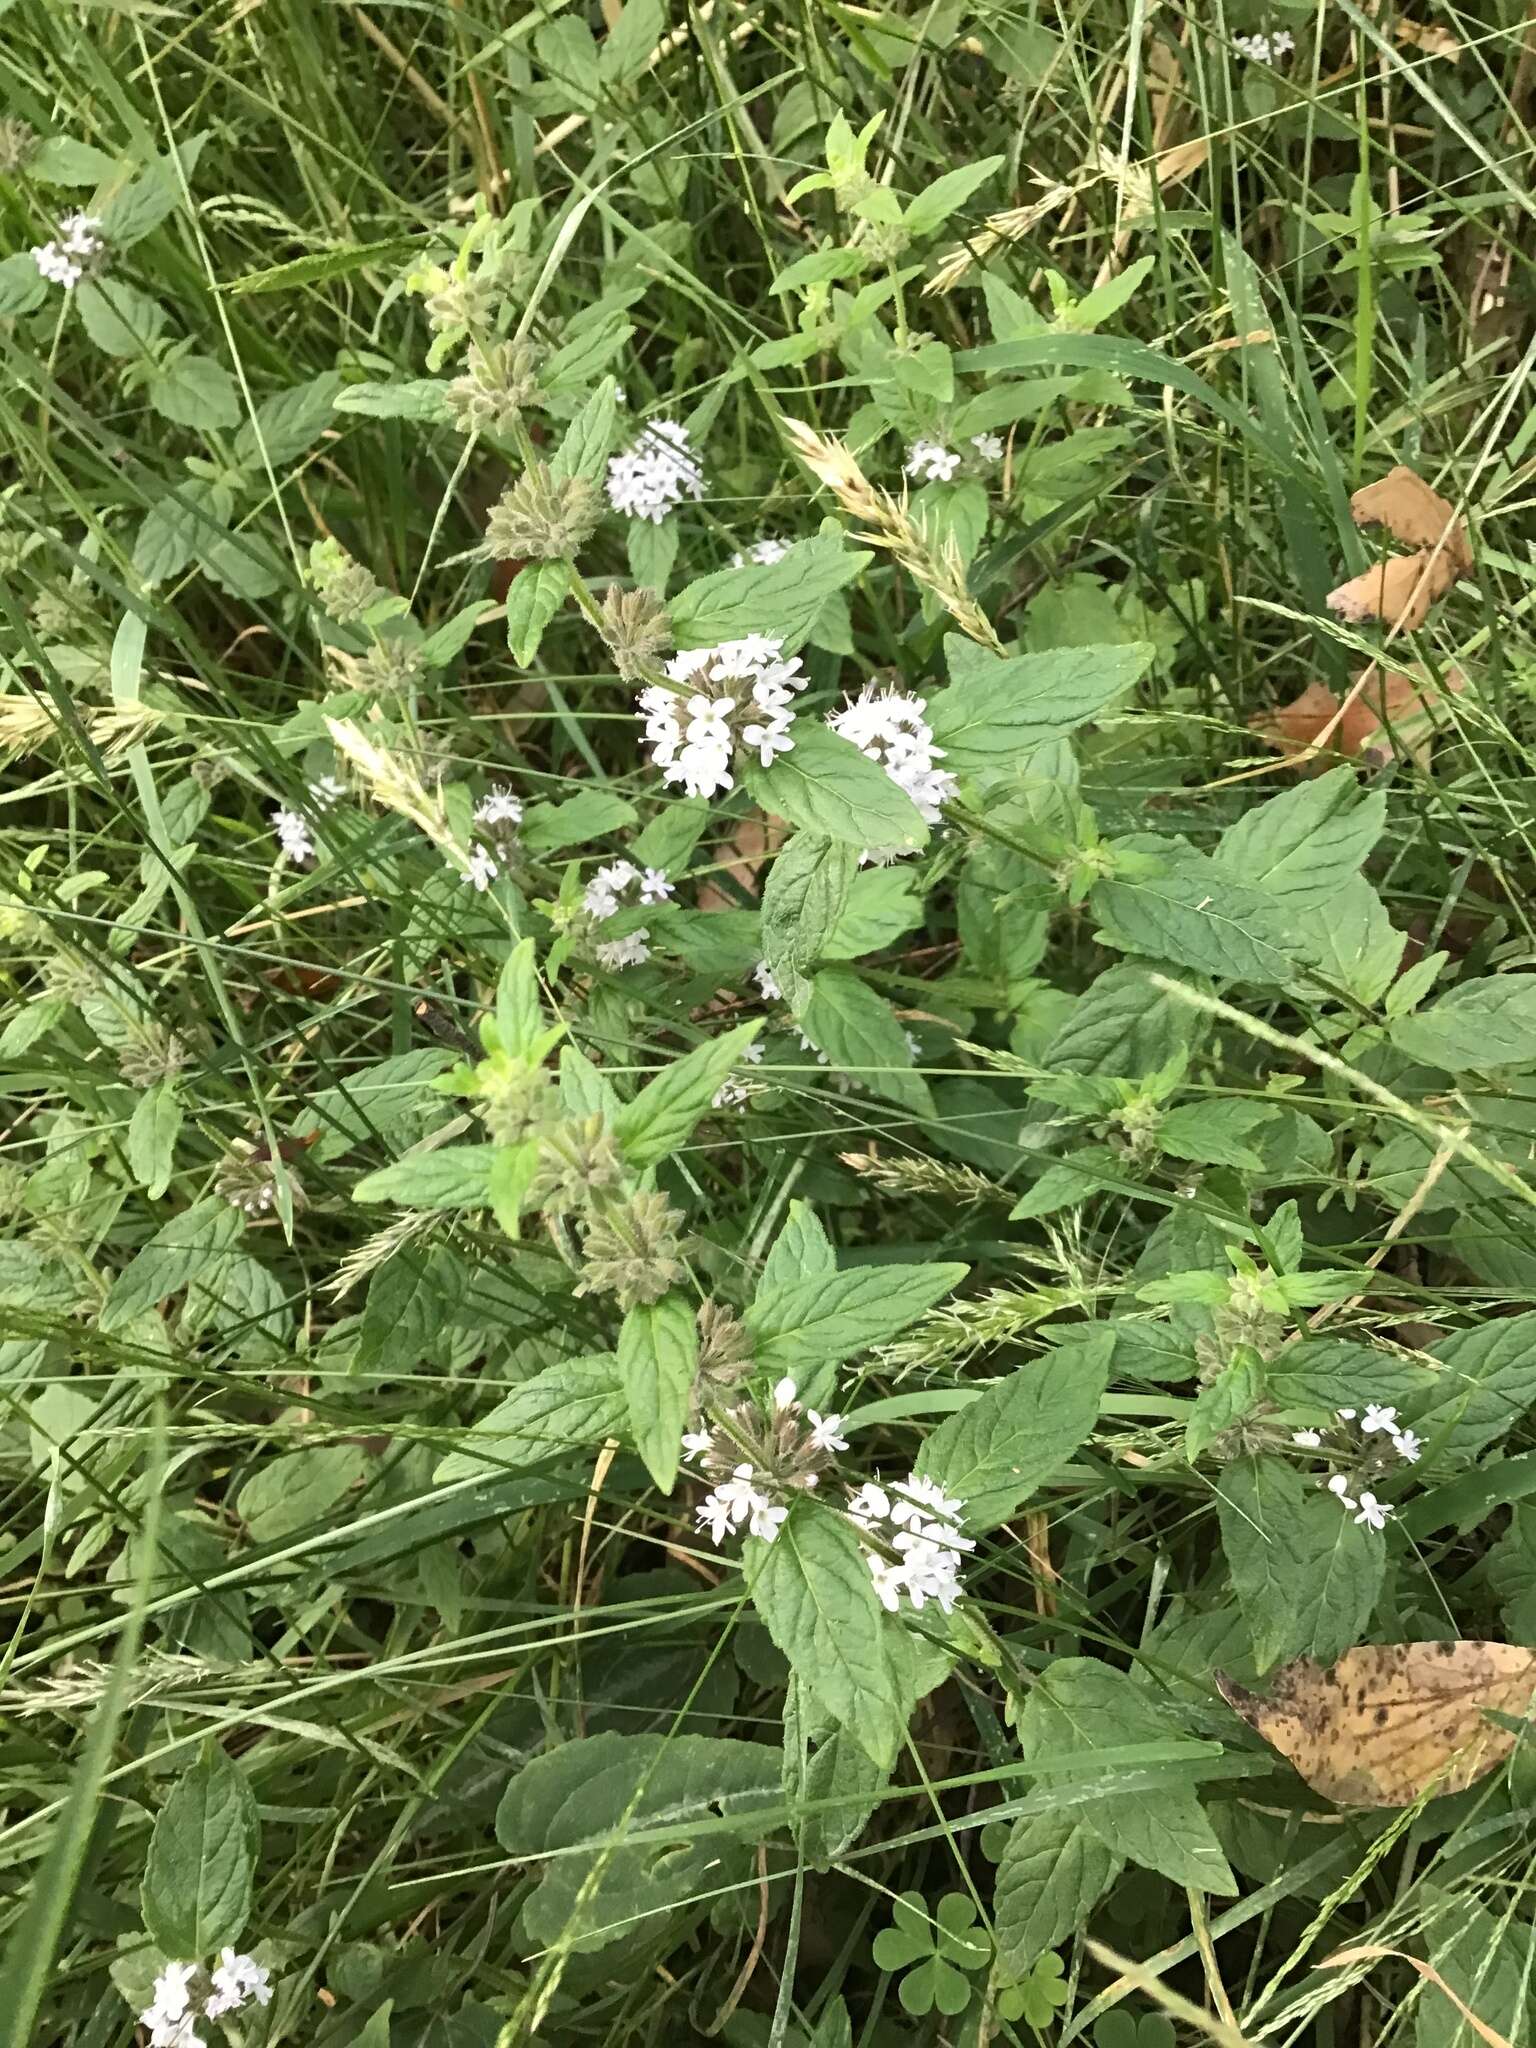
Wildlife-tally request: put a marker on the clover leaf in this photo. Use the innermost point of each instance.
(935, 1953)
(1036, 1996)
(1125, 2030)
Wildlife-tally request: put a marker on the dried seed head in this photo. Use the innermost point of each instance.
(390, 668)
(636, 630)
(248, 1181)
(543, 517)
(500, 379)
(578, 1162)
(632, 1250)
(150, 1054)
(725, 1349)
(346, 590)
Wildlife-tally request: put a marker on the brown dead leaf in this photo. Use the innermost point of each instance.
(1388, 1722)
(1427, 36)
(1398, 591)
(1414, 514)
(1379, 710)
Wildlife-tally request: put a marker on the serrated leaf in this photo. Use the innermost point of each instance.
(936, 202)
(1486, 1381)
(201, 1866)
(808, 1326)
(812, 1589)
(152, 1132)
(782, 598)
(662, 1116)
(117, 317)
(195, 391)
(881, 908)
(999, 706)
(287, 1494)
(1306, 1575)
(452, 1177)
(577, 1401)
(182, 1249)
(589, 814)
(288, 423)
(801, 1251)
(532, 601)
(23, 288)
(803, 898)
(320, 267)
(1167, 900)
(826, 785)
(658, 1361)
(1306, 844)
(1000, 1448)
(862, 1036)
(584, 448)
(414, 398)
(1488, 1022)
(1053, 1872)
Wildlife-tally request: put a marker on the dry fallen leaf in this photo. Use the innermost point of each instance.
(1429, 37)
(1389, 1721)
(1412, 513)
(1397, 707)
(1400, 590)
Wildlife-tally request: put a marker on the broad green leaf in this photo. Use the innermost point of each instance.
(414, 398)
(1485, 1958)
(1122, 1025)
(589, 814)
(1166, 899)
(577, 1401)
(669, 839)
(63, 161)
(288, 424)
(1000, 1448)
(812, 1588)
(782, 598)
(1216, 1133)
(195, 391)
(452, 1177)
(535, 596)
(519, 1002)
(1053, 1873)
(1486, 1380)
(658, 1360)
(1326, 1374)
(803, 898)
(287, 1494)
(824, 784)
(998, 706)
(662, 1116)
(1078, 1705)
(881, 908)
(801, 1251)
(862, 1036)
(1307, 1576)
(808, 1326)
(584, 449)
(117, 317)
(1353, 944)
(835, 1768)
(180, 1250)
(652, 550)
(595, 1790)
(1305, 845)
(152, 1133)
(199, 1874)
(1224, 1401)
(138, 208)
(23, 288)
(936, 202)
(1488, 1022)
(320, 267)
(449, 640)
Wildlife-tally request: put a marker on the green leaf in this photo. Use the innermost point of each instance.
(1485, 1383)
(535, 596)
(63, 161)
(584, 448)
(658, 1360)
(1165, 899)
(801, 1251)
(195, 391)
(662, 1116)
(288, 423)
(1122, 1025)
(138, 207)
(1353, 944)
(447, 641)
(936, 202)
(1000, 1448)
(23, 287)
(803, 898)
(862, 1036)
(813, 1591)
(824, 784)
(1053, 1872)
(1307, 1576)
(152, 1133)
(577, 1401)
(202, 1860)
(881, 908)
(782, 598)
(1236, 1389)
(519, 1002)
(808, 1326)
(1488, 1022)
(1079, 1705)
(118, 318)
(182, 1249)
(1306, 844)
(652, 550)
(589, 814)
(835, 1768)
(452, 1177)
(1216, 1133)
(290, 1493)
(321, 266)
(998, 706)
(413, 398)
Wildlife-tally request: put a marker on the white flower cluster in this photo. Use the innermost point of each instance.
(734, 696)
(917, 1520)
(734, 1091)
(604, 895)
(1377, 1427)
(892, 728)
(746, 1490)
(630, 951)
(497, 817)
(656, 473)
(764, 552)
(184, 1994)
(295, 841)
(932, 463)
(762, 974)
(1262, 49)
(66, 259)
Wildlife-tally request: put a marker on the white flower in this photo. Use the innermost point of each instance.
(735, 696)
(236, 1980)
(326, 790)
(626, 952)
(480, 870)
(765, 552)
(1407, 1445)
(762, 974)
(768, 740)
(869, 1505)
(598, 900)
(696, 1442)
(293, 836)
(499, 807)
(892, 729)
(1309, 1439)
(1339, 1486)
(765, 1519)
(1262, 49)
(656, 473)
(931, 461)
(735, 1501)
(1373, 1512)
(930, 1572)
(66, 260)
(921, 1526)
(1376, 1417)
(826, 1431)
(890, 1579)
(927, 1493)
(731, 1093)
(172, 1994)
(1345, 1414)
(784, 1394)
(988, 446)
(180, 2033)
(654, 886)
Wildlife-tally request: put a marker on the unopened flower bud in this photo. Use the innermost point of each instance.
(543, 517)
(632, 1250)
(578, 1161)
(636, 630)
(499, 380)
(346, 590)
